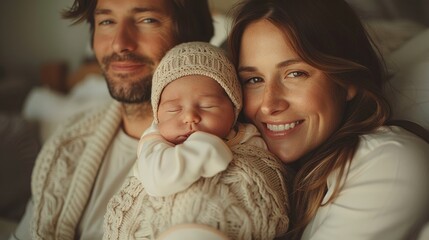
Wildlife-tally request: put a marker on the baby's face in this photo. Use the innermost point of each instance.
(194, 103)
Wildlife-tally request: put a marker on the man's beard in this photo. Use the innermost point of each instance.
(135, 92)
(121, 87)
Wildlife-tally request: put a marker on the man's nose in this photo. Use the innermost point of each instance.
(125, 39)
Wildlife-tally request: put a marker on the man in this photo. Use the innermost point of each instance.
(87, 159)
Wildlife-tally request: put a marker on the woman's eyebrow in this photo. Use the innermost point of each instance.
(278, 65)
(246, 69)
(288, 63)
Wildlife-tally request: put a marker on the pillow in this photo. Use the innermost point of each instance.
(416, 10)
(408, 89)
(390, 35)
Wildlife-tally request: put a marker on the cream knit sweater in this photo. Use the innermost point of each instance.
(66, 169)
(246, 201)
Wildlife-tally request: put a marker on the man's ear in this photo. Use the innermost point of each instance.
(351, 92)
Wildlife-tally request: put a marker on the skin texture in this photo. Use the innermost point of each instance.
(129, 41)
(194, 103)
(294, 105)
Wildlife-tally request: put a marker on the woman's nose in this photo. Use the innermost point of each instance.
(125, 39)
(274, 100)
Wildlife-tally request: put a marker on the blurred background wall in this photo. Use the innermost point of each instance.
(33, 33)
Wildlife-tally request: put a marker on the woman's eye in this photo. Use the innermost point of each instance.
(253, 80)
(297, 74)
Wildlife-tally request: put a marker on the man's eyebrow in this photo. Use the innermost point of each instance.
(101, 11)
(144, 9)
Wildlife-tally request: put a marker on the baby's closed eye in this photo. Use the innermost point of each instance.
(173, 109)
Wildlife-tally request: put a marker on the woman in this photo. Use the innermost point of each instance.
(312, 84)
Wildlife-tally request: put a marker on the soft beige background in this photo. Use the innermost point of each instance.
(222, 6)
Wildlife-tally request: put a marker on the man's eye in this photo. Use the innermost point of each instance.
(148, 20)
(105, 22)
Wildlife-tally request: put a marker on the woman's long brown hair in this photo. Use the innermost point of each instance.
(328, 35)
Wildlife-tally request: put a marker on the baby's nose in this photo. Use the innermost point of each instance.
(192, 116)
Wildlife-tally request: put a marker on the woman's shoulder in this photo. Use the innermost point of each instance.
(395, 139)
(384, 192)
(392, 150)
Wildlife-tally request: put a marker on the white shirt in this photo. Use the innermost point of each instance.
(115, 168)
(385, 194)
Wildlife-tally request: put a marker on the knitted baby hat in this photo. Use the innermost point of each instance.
(196, 58)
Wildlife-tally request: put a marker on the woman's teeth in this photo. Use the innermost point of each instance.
(282, 127)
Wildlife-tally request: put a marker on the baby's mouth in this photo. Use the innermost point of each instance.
(189, 133)
(184, 137)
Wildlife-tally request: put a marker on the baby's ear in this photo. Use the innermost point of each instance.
(351, 92)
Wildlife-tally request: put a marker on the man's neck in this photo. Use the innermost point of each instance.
(136, 118)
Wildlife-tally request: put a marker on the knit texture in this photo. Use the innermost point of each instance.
(196, 58)
(246, 201)
(66, 169)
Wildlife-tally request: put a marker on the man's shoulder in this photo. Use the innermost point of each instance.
(67, 144)
(77, 147)
(83, 123)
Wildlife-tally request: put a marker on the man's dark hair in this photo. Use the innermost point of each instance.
(193, 20)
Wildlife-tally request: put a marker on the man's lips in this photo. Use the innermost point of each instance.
(127, 63)
(125, 66)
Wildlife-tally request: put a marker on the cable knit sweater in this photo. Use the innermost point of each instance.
(66, 169)
(246, 201)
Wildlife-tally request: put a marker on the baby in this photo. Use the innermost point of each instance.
(195, 103)
(196, 164)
